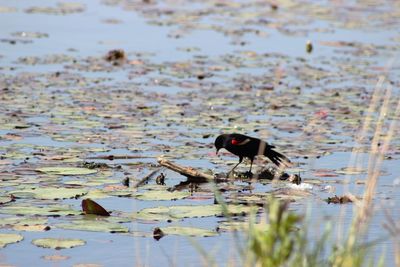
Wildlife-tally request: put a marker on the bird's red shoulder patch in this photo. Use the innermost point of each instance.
(234, 142)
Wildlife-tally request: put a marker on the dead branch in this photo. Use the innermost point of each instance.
(186, 171)
(195, 174)
(112, 157)
(146, 178)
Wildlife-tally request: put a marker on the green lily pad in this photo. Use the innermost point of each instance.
(228, 226)
(31, 228)
(94, 225)
(50, 210)
(22, 221)
(96, 194)
(5, 199)
(95, 182)
(6, 239)
(58, 243)
(49, 193)
(261, 198)
(161, 195)
(351, 171)
(188, 211)
(188, 231)
(233, 226)
(66, 170)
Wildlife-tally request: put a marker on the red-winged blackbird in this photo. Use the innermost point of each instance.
(249, 147)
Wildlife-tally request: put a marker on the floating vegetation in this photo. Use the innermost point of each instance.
(58, 243)
(66, 170)
(6, 239)
(86, 119)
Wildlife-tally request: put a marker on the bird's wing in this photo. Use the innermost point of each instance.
(239, 140)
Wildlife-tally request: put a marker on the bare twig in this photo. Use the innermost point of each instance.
(146, 178)
(112, 157)
(186, 171)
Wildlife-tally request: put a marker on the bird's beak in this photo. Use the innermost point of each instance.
(216, 152)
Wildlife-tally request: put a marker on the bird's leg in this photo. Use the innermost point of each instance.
(240, 161)
(249, 173)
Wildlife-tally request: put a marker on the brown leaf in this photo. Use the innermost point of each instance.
(91, 207)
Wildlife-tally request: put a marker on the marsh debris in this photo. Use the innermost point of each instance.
(339, 199)
(116, 56)
(94, 165)
(160, 180)
(268, 173)
(158, 233)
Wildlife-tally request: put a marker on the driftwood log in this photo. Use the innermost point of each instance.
(186, 171)
(193, 174)
(115, 157)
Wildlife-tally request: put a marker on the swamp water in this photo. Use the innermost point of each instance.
(190, 71)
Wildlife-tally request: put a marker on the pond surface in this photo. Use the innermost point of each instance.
(190, 71)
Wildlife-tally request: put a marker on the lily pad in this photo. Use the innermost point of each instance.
(66, 170)
(58, 243)
(233, 226)
(49, 193)
(6, 239)
(351, 171)
(94, 225)
(161, 195)
(50, 210)
(188, 211)
(22, 221)
(32, 228)
(97, 193)
(5, 199)
(188, 231)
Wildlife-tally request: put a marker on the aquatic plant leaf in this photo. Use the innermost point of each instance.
(66, 170)
(49, 193)
(188, 211)
(97, 194)
(351, 171)
(58, 243)
(55, 257)
(6, 239)
(31, 228)
(50, 210)
(161, 195)
(8, 221)
(5, 199)
(91, 207)
(94, 225)
(233, 226)
(188, 231)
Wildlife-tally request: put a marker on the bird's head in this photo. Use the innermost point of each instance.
(219, 142)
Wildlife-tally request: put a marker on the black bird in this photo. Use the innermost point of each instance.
(245, 146)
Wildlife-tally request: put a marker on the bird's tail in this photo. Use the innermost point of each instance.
(277, 158)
